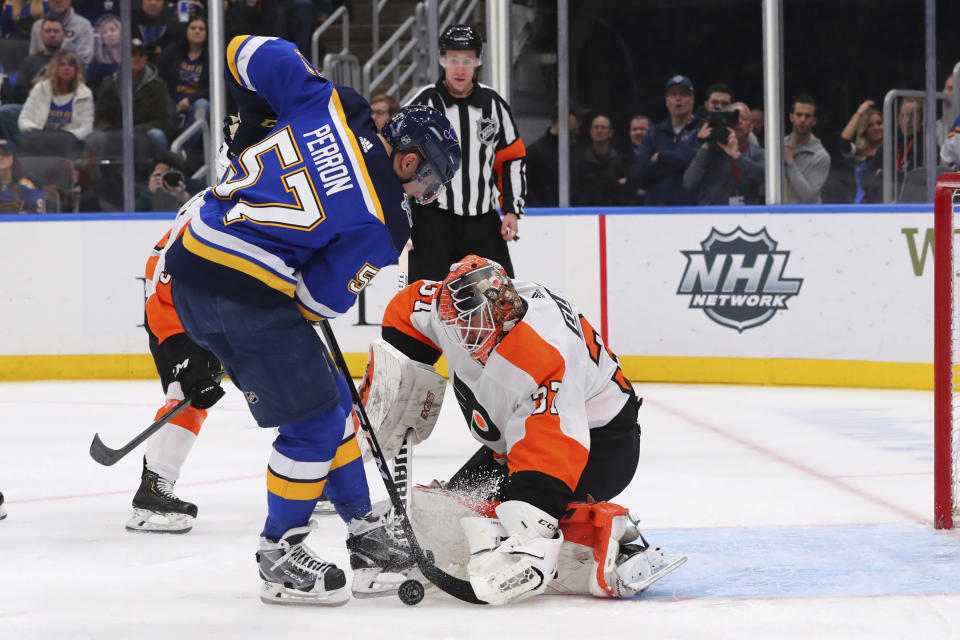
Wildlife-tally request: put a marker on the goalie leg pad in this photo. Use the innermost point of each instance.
(398, 395)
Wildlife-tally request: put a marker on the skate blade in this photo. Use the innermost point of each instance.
(324, 508)
(372, 583)
(272, 593)
(671, 564)
(146, 521)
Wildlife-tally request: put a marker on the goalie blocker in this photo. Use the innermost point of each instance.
(399, 395)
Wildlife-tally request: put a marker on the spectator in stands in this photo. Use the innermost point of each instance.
(157, 27)
(861, 145)
(634, 189)
(61, 102)
(185, 67)
(668, 148)
(18, 16)
(909, 143)
(382, 108)
(543, 160)
(719, 97)
(807, 162)
(78, 30)
(600, 171)
(167, 188)
(943, 127)
(757, 124)
(639, 125)
(152, 105)
(18, 194)
(950, 151)
(33, 69)
(106, 53)
(729, 172)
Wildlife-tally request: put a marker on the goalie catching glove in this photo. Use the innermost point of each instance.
(399, 395)
(514, 557)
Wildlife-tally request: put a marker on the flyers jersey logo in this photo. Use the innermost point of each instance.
(478, 423)
(476, 416)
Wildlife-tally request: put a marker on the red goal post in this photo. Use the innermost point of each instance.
(946, 356)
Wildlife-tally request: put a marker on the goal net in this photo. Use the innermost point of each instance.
(946, 351)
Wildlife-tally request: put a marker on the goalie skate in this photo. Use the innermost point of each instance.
(293, 574)
(380, 556)
(639, 567)
(156, 509)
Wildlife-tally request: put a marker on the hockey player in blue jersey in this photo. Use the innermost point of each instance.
(303, 219)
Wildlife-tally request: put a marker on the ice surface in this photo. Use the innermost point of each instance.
(805, 514)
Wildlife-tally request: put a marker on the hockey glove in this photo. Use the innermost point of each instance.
(513, 558)
(195, 369)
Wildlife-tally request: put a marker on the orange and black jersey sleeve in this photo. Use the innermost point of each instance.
(161, 318)
(406, 322)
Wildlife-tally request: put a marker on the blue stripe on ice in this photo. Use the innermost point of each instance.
(772, 562)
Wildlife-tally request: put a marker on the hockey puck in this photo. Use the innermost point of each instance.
(410, 592)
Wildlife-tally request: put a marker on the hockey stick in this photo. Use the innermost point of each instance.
(460, 589)
(403, 460)
(107, 456)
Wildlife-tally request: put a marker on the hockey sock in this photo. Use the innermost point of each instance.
(347, 488)
(168, 449)
(298, 468)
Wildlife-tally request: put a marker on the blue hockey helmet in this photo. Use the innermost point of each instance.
(426, 131)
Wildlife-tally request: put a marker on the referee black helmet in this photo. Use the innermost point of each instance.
(460, 37)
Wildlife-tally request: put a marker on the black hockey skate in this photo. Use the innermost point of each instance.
(293, 574)
(3, 513)
(379, 555)
(157, 509)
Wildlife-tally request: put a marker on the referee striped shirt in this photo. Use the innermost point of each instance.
(492, 173)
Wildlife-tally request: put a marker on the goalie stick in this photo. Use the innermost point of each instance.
(107, 456)
(460, 589)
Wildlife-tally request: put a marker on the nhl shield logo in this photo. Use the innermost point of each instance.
(487, 130)
(737, 278)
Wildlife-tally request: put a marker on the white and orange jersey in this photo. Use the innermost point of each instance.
(162, 318)
(549, 381)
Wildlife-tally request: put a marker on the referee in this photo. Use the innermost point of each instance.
(464, 219)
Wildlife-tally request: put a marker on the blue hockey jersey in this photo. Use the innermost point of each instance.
(312, 211)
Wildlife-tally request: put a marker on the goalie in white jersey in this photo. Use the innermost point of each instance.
(551, 407)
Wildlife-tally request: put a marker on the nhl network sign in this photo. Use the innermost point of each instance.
(737, 279)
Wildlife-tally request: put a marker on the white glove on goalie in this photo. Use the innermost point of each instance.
(399, 395)
(515, 557)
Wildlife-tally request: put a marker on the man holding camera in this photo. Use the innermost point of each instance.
(167, 189)
(668, 148)
(728, 167)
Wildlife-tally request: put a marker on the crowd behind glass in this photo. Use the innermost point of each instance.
(61, 139)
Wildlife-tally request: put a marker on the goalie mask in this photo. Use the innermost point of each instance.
(478, 305)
